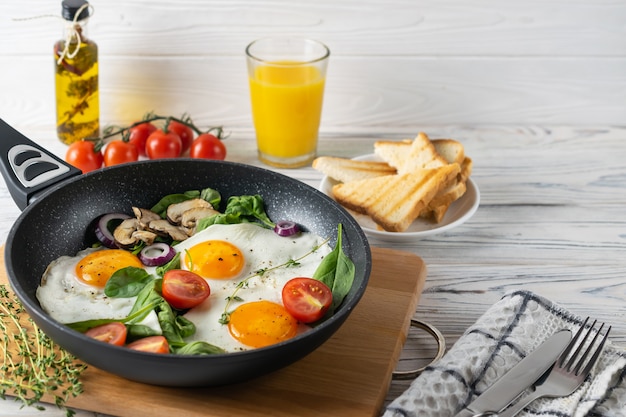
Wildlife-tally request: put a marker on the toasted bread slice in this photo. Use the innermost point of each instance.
(439, 205)
(422, 155)
(409, 155)
(395, 201)
(450, 149)
(466, 169)
(394, 152)
(346, 170)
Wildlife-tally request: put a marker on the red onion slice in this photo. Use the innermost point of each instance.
(286, 228)
(156, 254)
(102, 230)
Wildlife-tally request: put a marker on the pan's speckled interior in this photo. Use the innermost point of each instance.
(57, 224)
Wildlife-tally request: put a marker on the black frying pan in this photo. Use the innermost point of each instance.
(59, 203)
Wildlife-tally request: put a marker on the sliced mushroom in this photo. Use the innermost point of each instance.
(164, 228)
(191, 217)
(123, 233)
(145, 236)
(175, 211)
(145, 216)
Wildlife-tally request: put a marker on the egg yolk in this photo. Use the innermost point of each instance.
(96, 268)
(262, 323)
(216, 259)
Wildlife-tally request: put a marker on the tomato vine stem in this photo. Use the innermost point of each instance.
(185, 119)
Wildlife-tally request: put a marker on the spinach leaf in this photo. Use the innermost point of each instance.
(185, 326)
(138, 315)
(161, 207)
(139, 331)
(336, 271)
(126, 282)
(148, 296)
(174, 263)
(251, 206)
(208, 194)
(199, 348)
(212, 196)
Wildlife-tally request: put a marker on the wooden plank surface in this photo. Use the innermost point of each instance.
(347, 376)
(452, 61)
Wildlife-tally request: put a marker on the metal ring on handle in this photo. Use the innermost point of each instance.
(441, 349)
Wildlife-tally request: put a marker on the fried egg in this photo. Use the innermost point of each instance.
(259, 263)
(245, 265)
(72, 287)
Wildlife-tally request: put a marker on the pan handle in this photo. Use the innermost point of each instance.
(27, 168)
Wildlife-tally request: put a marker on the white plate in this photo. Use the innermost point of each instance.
(458, 212)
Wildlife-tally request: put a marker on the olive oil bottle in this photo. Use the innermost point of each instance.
(76, 76)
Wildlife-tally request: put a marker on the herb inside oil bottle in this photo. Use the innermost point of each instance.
(76, 77)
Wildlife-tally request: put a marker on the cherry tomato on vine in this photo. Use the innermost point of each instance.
(82, 155)
(184, 289)
(152, 344)
(139, 134)
(113, 333)
(208, 146)
(163, 145)
(184, 132)
(120, 152)
(306, 299)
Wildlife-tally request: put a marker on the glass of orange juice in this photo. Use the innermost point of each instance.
(287, 77)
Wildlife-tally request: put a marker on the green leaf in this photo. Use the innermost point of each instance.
(249, 206)
(223, 218)
(212, 196)
(185, 326)
(137, 315)
(336, 271)
(127, 282)
(139, 331)
(199, 348)
(161, 207)
(174, 263)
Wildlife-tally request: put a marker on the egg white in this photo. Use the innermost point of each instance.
(263, 250)
(67, 299)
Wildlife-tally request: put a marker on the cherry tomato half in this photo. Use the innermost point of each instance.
(208, 146)
(120, 152)
(139, 134)
(152, 344)
(112, 333)
(83, 156)
(163, 145)
(184, 132)
(184, 289)
(306, 299)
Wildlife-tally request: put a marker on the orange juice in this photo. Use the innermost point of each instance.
(286, 107)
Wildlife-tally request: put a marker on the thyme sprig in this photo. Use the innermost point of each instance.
(225, 317)
(32, 364)
(114, 130)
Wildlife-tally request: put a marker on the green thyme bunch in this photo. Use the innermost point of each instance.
(32, 365)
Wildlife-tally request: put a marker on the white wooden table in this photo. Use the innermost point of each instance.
(552, 220)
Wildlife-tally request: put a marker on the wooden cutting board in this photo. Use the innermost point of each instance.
(349, 375)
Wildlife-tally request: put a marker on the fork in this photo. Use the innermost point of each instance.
(565, 378)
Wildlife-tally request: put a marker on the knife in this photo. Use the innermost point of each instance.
(508, 387)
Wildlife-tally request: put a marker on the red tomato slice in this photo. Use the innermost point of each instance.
(152, 344)
(307, 299)
(184, 289)
(112, 333)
